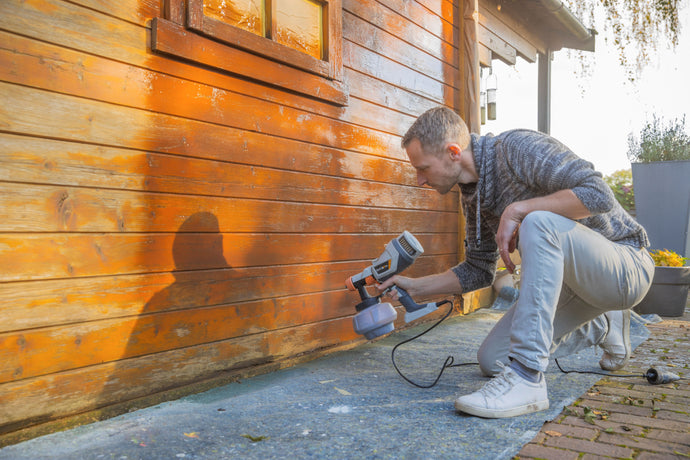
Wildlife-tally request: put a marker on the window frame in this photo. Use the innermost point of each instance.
(234, 36)
(321, 78)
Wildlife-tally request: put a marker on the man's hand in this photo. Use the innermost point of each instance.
(408, 284)
(562, 202)
(506, 236)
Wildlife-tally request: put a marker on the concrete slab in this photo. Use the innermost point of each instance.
(346, 405)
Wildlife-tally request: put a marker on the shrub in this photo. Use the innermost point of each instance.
(622, 187)
(660, 142)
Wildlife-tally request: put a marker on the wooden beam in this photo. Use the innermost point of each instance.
(505, 28)
(497, 45)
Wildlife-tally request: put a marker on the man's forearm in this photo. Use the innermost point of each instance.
(439, 284)
(563, 202)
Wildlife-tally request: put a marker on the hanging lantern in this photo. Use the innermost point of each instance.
(491, 88)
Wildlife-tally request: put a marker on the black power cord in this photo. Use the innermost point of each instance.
(450, 361)
(653, 376)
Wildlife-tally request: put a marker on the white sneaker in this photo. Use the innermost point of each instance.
(616, 343)
(505, 395)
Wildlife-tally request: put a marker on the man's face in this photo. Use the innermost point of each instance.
(438, 171)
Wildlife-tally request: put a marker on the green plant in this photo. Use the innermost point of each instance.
(666, 258)
(621, 185)
(660, 142)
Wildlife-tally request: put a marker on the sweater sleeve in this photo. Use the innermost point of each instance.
(479, 268)
(547, 165)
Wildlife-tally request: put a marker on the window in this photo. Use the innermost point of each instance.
(295, 44)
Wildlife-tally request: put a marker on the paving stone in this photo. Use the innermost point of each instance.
(542, 452)
(583, 446)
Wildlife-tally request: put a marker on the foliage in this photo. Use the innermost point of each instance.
(636, 27)
(666, 258)
(622, 187)
(660, 142)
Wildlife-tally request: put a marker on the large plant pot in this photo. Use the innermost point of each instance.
(668, 294)
(662, 203)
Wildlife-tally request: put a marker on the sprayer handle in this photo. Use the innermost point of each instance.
(407, 301)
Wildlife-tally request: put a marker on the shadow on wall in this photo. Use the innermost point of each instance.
(168, 346)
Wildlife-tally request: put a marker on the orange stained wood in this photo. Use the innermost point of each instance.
(169, 220)
(24, 402)
(41, 304)
(45, 351)
(74, 255)
(67, 163)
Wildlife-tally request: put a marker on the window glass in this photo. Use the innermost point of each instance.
(299, 25)
(245, 14)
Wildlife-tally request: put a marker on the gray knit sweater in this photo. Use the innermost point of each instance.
(522, 164)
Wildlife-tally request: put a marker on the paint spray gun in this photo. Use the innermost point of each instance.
(374, 318)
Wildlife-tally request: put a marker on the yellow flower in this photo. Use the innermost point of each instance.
(666, 258)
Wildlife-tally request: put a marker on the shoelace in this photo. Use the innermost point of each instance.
(499, 384)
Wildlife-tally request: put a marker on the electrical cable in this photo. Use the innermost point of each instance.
(450, 361)
(653, 376)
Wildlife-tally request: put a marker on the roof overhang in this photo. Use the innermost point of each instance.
(525, 28)
(553, 22)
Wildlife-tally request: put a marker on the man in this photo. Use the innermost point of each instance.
(584, 259)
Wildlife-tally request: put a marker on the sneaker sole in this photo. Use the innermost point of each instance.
(504, 413)
(626, 342)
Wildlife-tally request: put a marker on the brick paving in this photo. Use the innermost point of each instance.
(627, 417)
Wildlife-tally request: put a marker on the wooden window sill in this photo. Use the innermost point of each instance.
(174, 40)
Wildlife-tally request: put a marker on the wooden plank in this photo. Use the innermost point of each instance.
(407, 11)
(45, 161)
(379, 41)
(174, 40)
(30, 401)
(46, 256)
(134, 11)
(70, 118)
(36, 352)
(384, 69)
(445, 9)
(500, 25)
(391, 21)
(50, 67)
(39, 208)
(40, 304)
(392, 97)
(499, 47)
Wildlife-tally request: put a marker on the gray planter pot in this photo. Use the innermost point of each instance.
(668, 294)
(662, 203)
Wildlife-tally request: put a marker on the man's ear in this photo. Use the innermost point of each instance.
(455, 151)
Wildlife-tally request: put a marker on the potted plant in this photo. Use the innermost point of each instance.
(669, 292)
(660, 160)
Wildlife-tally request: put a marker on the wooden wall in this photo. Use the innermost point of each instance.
(165, 222)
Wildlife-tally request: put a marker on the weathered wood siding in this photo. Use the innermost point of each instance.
(164, 222)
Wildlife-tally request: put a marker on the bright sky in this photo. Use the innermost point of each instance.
(594, 115)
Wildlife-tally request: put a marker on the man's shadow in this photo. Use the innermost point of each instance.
(198, 245)
(164, 349)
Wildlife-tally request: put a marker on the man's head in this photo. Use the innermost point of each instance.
(437, 144)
